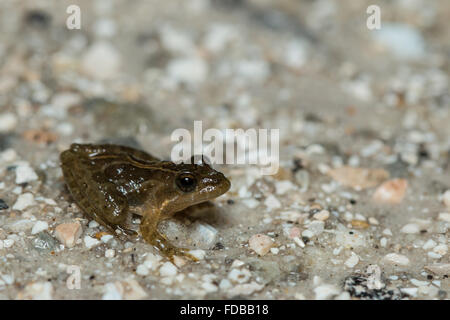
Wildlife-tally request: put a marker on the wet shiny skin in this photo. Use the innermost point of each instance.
(114, 184)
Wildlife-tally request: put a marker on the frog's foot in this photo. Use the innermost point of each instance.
(169, 250)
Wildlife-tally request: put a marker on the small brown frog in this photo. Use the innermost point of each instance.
(113, 184)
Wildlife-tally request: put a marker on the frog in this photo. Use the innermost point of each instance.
(118, 185)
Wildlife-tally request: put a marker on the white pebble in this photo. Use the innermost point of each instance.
(39, 226)
(299, 242)
(352, 261)
(410, 228)
(239, 275)
(272, 202)
(387, 232)
(446, 198)
(198, 253)
(110, 253)
(283, 186)
(24, 173)
(326, 291)
(106, 238)
(430, 244)
(444, 216)
(93, 224)
(90, 242)
(142, 270)
(23, 201)
(8, 122)
(168, 269)
(101, 61)
(190, 70)
(260, 243)
(396, 259)
(251, 203)
(203, 234)
(307, 234)
(410, 291)
(441, 249)
(8, 243)
(434, 255)
(274, 250)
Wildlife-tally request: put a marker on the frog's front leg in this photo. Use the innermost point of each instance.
(150, 233)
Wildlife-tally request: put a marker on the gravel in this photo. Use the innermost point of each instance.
(360, 206)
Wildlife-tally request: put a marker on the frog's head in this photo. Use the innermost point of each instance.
(192, 183)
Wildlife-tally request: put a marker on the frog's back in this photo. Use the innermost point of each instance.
(83, 168)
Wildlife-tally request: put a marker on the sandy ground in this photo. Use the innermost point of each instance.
(358, 209)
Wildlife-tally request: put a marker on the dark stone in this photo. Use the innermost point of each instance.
(37, 18)
(3, 205)
(218, 246)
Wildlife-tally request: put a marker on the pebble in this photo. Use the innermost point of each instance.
(24, 173)
(189, 70)
(410, 291)
(326, 291)
(152, 261)
(251, 203)
(403, 40)
(391, 192)
(198, 253)
(245, 289)
(446, 198)
(430, 244)
(283, 186)
(128, 289)
(441, 249)
(168, 269)
(101, 61)
(203, 234)
(239, 275)
(68, 233)
(434, 255)
(299, 242)
(272, 202)
(396, 259)
(440, 269)
(352, 261)
(444, 216)
(142, 270)
(90, 242)
(322, 215)
(93, 224)
(410, 228)
(316, 227)
(20, 225)
(8, 243)
(8, 122)
(260, 243)
(36, 291)
(39, 226)
(358, 178)
(359, 224)
(110, 253)
(24, 201)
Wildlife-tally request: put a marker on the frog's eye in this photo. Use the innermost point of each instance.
(186, 182)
